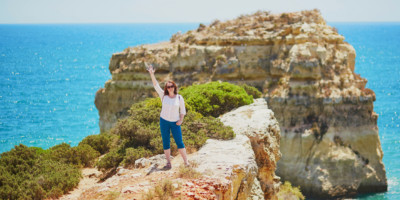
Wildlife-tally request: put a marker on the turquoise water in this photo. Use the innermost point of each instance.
(49, 75)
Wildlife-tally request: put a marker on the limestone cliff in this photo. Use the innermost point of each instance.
(330, 144)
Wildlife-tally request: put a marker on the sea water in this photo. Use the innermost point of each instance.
(49, 75)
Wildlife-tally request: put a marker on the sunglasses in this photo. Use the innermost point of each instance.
(170, 86)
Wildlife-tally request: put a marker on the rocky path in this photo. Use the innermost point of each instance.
(126, 184)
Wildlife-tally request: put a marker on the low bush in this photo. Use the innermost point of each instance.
(110, 160)
(102, 142)
(34, 173)
(132, 154)
(82, 155)
(56, 177)
(64, 153)
(215, 98)
(86, 155)
(250, 90)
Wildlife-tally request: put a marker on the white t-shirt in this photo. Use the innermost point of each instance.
(171, 107)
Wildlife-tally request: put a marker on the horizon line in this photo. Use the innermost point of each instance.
(66, 23)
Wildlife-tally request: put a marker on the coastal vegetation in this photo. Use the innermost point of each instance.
(216, 98)
(29, 172)
(35, 173)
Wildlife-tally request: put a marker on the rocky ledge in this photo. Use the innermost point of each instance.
(330, 144)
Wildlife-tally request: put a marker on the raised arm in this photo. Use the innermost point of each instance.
(157, 87)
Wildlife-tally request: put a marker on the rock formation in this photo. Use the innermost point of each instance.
(330, 144)
(258, 123)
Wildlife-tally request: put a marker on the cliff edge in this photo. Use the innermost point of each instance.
(330, 144)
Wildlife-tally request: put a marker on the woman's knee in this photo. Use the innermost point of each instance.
(180, 145)
(177, 134)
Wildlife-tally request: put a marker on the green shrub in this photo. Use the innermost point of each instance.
(250, 90)
(86, 154)
(213, 128)
(34, 173)
(147, 111)
(111, 160)
(19, 159)
(133, 130)
(101, 142)
(64, 153)
(215, 98)
(56, 176)
(82, 155)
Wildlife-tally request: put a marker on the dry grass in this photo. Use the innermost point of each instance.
(189, 172)
(149, 195)
(163, 191)
(112, 195)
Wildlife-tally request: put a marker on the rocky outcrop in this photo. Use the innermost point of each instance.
(232, 165)
(259, 125)
(330, 145)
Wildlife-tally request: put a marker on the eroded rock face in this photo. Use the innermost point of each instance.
(330, 149)
(258, 123)
(330, 145)
(232, 165)
(244, 167)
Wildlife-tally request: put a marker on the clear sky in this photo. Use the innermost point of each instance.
(205, 11)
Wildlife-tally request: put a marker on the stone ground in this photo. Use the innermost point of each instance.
(134, 183)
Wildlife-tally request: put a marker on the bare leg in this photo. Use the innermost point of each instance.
(183, 154)
(167, 155)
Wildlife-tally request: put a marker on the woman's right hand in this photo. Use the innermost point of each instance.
(150, 68)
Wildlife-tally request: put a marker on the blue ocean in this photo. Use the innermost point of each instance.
(49, 75)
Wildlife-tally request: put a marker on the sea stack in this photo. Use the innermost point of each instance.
(329, 135)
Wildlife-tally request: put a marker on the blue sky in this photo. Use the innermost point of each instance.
(205, 11)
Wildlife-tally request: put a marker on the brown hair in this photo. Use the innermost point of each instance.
(166, 89)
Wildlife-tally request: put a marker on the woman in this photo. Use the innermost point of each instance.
(171, 116)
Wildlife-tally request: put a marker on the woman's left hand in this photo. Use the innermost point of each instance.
(179, 122)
